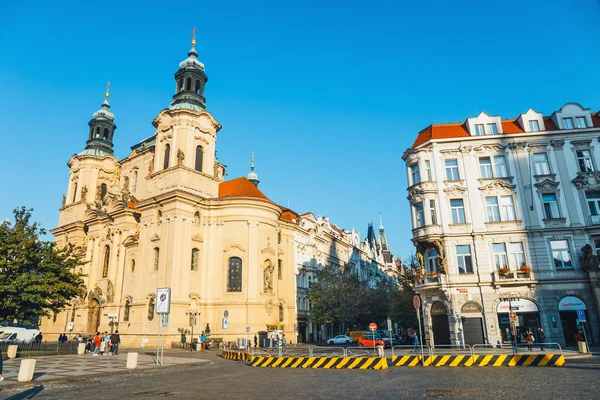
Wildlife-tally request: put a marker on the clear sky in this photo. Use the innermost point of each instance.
(329, 94)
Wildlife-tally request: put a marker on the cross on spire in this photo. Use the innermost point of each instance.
(107, 93)
(194, 37)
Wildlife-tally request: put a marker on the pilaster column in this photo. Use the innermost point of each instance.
(568, 191)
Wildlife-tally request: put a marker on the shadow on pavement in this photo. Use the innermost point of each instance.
(28, 394)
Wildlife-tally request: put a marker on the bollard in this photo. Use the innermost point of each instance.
(380, 351)
(582, 347)
(26, 370)
(81, 348)
(12, 351)
(132, 359)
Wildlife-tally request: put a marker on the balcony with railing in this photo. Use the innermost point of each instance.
(428, 280)
(507, 277)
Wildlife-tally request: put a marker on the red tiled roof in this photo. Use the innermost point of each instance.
(240, 187)
(289, 215)
(458, 129)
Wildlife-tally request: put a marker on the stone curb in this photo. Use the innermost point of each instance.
(96, 376)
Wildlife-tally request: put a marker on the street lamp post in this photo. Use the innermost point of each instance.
(513, 325)
(192, 314)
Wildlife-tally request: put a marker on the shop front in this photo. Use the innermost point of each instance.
(528, 317)
(439, 323)
(568, 307)
(472, 323)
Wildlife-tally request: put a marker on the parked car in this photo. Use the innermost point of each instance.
(340, 339)
(368, 341)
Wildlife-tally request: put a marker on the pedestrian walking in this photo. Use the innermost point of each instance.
(79, 338)
(255, 341)
(115, 339)
(541, 337)
(1, 367)
(415, 341)
(284, 343)
(96, 341)
(529, 340)
(203, 341)
(107, 344)
(38, 338)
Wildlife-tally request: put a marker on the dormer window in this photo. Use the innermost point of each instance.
(580, 122)
(479, 130)
(534, 126)
(568, 123)
(493, 129)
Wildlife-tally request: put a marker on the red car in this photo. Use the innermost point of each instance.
(367, 341)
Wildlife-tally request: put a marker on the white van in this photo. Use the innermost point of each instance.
(12, 335)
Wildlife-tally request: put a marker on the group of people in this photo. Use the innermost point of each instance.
(529, 338)
(105, 343)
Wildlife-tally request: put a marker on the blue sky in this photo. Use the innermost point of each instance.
(328, 94)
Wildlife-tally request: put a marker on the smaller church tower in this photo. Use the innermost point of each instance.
(102, 129)
(190, 81)
(253, 176)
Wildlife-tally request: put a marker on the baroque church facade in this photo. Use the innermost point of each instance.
(164, 217)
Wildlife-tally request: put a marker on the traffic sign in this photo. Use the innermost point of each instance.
(247, 329)
(225, 323)
(389, 324)
(581, 315)
(373, 326)
(70, 326)
(226, 313)
(416, 302)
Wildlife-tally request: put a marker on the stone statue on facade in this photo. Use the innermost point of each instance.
(588, 259)
(180, 157)
(268, 280)
(64, 200)
(84, 191)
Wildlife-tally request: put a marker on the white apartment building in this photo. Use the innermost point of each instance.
(502, 208)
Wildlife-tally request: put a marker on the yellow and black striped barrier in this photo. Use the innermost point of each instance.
(320, 362)
(496, 360)
(236, 355)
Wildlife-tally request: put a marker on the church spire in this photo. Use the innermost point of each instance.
(102, 129)
(382, 238)
(253, 176)
(190, 81)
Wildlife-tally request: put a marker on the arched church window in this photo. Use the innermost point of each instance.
(151, 309)
(105, 136)
(197, 218)
(74, 192)
(279, 269)
(195, 253)
(197, 86)
(127, 311)
(106, 261)
(199, 156)
(432, 261)
(132, 265)
(156, 257)
(280, 312)
(97, 132)
(188, 84)
(234, 283)
(167, 154)
(135, 177)
(180, 85)
(103, 191)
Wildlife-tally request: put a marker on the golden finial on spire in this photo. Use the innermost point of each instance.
(194, 37)
(107, 94)
(252, 160)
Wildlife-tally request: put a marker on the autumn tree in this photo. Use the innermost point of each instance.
(37, 278)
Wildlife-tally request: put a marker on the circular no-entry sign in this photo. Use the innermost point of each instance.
(373, 326)
(416, 302)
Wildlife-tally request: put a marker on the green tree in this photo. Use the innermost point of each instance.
(37, 278)
(402, 310)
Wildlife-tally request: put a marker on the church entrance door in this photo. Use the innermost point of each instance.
(93, 316)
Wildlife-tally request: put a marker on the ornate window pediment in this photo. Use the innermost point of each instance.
(415, 195)
(581, 144)
(155, 238)
(497, 187)
(547, 186)
(455, 191)
(197, 238)
(587, 180)
(491, 149)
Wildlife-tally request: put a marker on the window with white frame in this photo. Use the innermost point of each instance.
(433, 212)
(507, 208)
(457, 209)
(479, 130)
(517, 254)
(584, 160)
(500, 167)
(561, 254)
(534, 126)
(415, 175)
(580, 122)
(593, 200)
(568, 123)
(485, 167)
(452, 170)
(492, 208)
(432, 261)
(493, 129)
(464, 260)
(541, 165)
(419, 215)
(550, 205)
(428, 170)
(500, 257)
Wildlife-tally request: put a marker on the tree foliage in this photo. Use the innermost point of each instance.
(37, 278)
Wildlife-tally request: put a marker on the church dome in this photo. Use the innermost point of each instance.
(252, 176)
(192, 61)
(104, 112)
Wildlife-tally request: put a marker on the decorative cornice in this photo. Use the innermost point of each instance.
(557, 143)
(232, 246)
(490, 148)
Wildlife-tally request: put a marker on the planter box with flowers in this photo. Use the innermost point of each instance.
(432, 276)
(504, 272)
(524, 272)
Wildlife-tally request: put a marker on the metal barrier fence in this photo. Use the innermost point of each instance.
(41, 349)
(507, 348)
(407, 348)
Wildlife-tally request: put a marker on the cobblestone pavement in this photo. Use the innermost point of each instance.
(224, 379)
